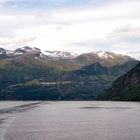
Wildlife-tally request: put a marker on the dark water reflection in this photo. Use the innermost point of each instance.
(75, 120)
(95, 107)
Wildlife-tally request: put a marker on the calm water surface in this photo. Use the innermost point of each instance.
(72, 120)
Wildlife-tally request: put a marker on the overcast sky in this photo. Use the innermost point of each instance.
(71, 25)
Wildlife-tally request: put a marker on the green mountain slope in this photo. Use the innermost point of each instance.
(127, 87)
(83, 84)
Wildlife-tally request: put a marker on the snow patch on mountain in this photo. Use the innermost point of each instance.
(105, 54)
(27, 50)
(60, 54)
(101, 53)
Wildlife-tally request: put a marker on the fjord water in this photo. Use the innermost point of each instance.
(70, 120)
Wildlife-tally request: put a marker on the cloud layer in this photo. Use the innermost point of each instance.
(71, 25)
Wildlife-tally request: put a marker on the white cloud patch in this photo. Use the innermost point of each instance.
(13, 43)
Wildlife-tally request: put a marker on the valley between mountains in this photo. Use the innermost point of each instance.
(29, 74)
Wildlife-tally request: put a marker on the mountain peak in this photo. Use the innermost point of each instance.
(27, 50)
(107, 54)
(5, 52)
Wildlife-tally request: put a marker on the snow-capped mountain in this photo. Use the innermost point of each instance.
(19, 51)
(26, 50)
(60, 54)
(67, 58)
(54, 54)
(5, 52)
(103, 57)
(106, 54)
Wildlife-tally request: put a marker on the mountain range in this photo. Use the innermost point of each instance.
(31, 74)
